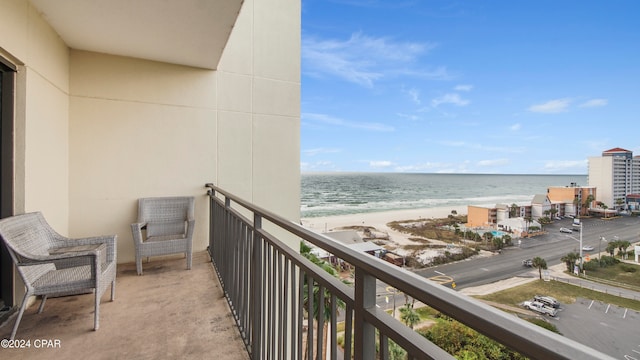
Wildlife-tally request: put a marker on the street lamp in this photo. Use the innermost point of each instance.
(600, 251)
(581, 261)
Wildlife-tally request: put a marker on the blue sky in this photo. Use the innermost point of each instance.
(510, 87)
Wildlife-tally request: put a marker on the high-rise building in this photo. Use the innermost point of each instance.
(616, 175)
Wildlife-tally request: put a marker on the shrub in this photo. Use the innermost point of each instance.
(627, 268)
(591, 265)
(608, 260)
(547, 325)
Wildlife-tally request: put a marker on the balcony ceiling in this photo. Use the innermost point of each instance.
(185, 32)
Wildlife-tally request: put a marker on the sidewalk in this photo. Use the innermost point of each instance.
(556, 272)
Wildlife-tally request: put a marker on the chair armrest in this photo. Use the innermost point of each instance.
(136, 231)
(109, 240)
(64, 258)
(191, 224)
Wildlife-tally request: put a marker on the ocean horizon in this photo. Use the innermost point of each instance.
(345, 193)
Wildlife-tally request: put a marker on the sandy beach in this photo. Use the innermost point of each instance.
(378, 220)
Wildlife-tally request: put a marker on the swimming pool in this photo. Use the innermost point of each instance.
(497, 233)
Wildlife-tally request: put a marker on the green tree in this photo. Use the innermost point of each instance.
(588, 201)
(570, 260)
(539, 263)
(409, 316)
(513, 210)
(622, 245)
(326, 306)
(498, 243)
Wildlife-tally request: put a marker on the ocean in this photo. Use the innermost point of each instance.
(326, 194)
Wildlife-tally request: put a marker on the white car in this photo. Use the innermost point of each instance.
(540, 308)
(587, 248)
(565, 230)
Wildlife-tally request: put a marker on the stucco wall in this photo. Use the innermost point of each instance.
(259, 108)
(95, 132)
(42, 112)
(138, 129)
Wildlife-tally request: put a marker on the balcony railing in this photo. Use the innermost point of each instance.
(266, 285)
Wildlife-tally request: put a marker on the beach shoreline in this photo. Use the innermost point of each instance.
(378, 220)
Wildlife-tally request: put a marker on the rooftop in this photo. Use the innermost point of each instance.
(169, 312)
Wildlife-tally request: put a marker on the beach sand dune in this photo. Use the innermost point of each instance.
(379, 220)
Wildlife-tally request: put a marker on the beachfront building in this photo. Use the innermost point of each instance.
(572, 200)
(616, 174)
(540, 206)
(481, 217)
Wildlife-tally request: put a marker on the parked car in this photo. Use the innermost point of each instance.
(587, 248)
(547, 300)
(527, 262)
(558, 218)
(540, 308)
(565, 230)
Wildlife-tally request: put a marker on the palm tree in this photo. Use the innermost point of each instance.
(539, 263)
(570, 260)
(513, 210)
(527, 220)
(588, 201)
(326, 306)
(409, 316)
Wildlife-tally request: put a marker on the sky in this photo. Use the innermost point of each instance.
(475, 86)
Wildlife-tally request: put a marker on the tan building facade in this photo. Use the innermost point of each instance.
(572, 200)
(118, 100)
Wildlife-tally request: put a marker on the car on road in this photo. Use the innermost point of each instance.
(540, 308)
(587, 248)
(527, 262)
(565, 230)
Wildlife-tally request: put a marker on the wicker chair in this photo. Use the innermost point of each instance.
(168, 223)
(53, 265)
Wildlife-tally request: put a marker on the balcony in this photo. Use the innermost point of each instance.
(169, 312)
(273, 293)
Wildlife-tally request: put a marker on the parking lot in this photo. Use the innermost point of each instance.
(608, 328)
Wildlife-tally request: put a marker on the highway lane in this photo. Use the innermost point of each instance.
(551, 247)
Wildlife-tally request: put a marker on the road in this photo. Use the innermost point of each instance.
(551, 247)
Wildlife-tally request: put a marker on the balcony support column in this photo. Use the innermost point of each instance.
(365, 298)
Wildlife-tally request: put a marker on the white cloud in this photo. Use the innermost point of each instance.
(333, 121)
(454, 99)
(364, 59)
(414, 95)
(550, 107)
(317, 166)
(515, 127)
(409, 116)
(380, 164)
(565, 164)
(595, 103)
(314, 152)
(463, 88)
(494, 162)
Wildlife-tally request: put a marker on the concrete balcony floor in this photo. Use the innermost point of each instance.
(168, 313)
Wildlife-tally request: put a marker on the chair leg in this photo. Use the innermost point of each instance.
(96, 317)
(113, 289)
(139, 265)
(20, 313)
(44, 298)
(189, 260)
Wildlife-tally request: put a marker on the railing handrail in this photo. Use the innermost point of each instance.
(524, 337)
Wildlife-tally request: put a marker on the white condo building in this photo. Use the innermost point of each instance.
(616, 175)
